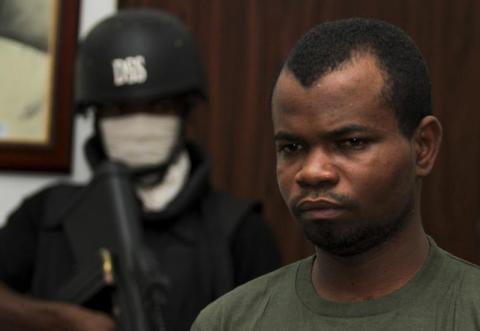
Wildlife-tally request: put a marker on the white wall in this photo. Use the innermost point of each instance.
(15, 186)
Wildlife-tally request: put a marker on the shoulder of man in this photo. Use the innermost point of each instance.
(467, 271)
(465, 291)
(467, 275)
(60, 188)
(232, 310)
(43, 205)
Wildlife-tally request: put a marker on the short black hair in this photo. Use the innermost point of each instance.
(329, 45)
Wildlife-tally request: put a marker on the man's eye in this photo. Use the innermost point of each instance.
(355, 143)
(289, 148)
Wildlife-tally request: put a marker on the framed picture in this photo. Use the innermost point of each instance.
(37, 49)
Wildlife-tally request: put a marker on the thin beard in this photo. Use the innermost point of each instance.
(365, 240)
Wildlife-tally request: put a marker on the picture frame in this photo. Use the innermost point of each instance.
(38, 41)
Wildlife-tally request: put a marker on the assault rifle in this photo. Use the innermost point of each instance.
(116, 273)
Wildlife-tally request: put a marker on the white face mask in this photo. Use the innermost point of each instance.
(140, 139)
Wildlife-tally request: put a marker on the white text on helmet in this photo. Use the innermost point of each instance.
(130, 70)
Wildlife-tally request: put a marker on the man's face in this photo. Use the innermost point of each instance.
(141, 134)
(344, 169)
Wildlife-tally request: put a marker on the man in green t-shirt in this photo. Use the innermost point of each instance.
(355, 135)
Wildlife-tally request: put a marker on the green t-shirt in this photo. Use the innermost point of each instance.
(444, 295)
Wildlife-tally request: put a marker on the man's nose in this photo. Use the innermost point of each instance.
(318, 168)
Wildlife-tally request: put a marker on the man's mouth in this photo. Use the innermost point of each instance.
(320, 209)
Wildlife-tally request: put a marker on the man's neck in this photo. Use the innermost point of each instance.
(373, 274)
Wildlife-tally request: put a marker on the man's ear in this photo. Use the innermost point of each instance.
(427, 139)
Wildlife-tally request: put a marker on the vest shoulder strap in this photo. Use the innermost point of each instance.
(224, 213)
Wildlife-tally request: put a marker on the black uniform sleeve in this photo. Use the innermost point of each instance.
(18, 239)
(254, 249)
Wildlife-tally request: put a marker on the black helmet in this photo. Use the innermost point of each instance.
(137, 54)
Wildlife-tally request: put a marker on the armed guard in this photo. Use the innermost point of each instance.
(140, 74)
